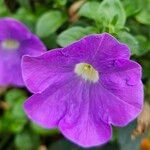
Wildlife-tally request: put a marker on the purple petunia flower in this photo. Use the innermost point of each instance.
(15, 41)
(84, 88)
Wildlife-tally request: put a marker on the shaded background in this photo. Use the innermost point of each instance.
(58, 23)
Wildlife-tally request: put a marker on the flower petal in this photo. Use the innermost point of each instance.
(121, 92)
(110, 48)
(81, 124)
(123, 79)
(13, 29)
(42, 71)
(97, 48)
(32, 46)
(115, 111)
(47, 108)
(10, 70)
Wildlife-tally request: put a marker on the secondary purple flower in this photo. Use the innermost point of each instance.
(84, 88)
(15, 41)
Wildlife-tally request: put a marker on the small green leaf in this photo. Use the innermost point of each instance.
(147, 94)
(3, 10)
(145, 65)
(125, 138)
(110, 10)
(49, 22)
(60, 4)
(24, 3)
(29, 20)
(130, 40)
(39, 130)
(144, 15)
(50, 41)
(27, 141)
(144, 44)
(14, 119)
(132, 6)
(73, 34)
(89, 10)
(13, 96)
(107, 13)
(67, 145)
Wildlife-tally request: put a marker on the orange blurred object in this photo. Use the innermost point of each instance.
(73, 10)
(145, 144)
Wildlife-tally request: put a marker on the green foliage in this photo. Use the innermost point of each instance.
(73, 34)
(144, 44)
(66, 145)
(132, 7)
(29, 20)
(112, 12)
(130, 40)
(39, 130)
(14, 118)
(125, 138)
(24, 3)
(27, 141)
(108, 13)
(49, 22)
(3, 10)
(143, 16)
(90, 10)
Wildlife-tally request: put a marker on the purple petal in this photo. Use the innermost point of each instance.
(13, 29)
(48, 107)
(32, 46)
(112, 109)
(67, 106)
(42, 71)
(10, 70)
(81, 124)
(123, 89)
(25, 43)
(97, 47)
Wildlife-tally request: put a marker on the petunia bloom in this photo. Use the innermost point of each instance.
(15, 41)
(84, 89)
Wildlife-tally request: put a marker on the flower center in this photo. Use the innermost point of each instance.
(87, 72)
(10, 44)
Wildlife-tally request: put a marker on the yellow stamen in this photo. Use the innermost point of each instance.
(87, 72)
(10, 44)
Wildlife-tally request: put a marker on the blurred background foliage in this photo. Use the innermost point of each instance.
(59, 23)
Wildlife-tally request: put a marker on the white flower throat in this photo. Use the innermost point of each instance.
(87, 72)
(10, 44)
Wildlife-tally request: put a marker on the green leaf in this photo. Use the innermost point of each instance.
(89, 10)
(110, 9)
(14, 119)
(3, 10)
(73, 34)
(29, 20)
(130, 40)
(14, 96)
(145, 65)
(132, 6)
(60, 4)
(108, 13)
(25, 3)
(27, 141)
(49, 22)
(144, 15)
(39, 130)
(66, 145)
(50, 41)
(147, 94)
(125, 138)
(144, 44)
